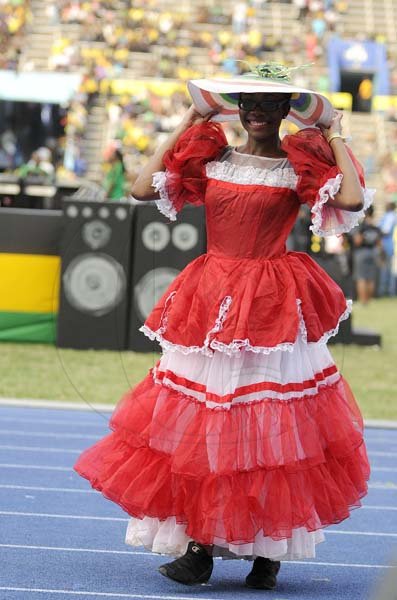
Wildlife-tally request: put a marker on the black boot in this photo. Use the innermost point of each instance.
(263, 575)
(195, 566)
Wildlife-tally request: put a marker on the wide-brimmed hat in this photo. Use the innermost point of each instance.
(308, 108)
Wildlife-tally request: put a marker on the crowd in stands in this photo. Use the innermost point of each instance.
(110, 34)
(14, 15)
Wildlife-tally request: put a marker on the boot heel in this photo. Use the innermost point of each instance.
(205, 576)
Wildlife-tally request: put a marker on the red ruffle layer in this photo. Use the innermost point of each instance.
(263, 305)
(185, 163)
(304, 464)
(313, 160)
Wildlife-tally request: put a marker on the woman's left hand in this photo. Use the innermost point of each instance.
(335, 126)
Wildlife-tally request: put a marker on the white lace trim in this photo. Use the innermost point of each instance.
(169, 346)
(302, 324)
(164, 203)
(223, 310)
(329, 190)
(332, 332)
(236, 345)
(328, 220)
(164, 315)
(247, 174)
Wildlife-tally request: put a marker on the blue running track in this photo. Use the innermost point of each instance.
(59, 540)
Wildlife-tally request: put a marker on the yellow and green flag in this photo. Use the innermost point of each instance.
(29, 286)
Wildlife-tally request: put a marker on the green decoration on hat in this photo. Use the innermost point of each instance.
(271, 70)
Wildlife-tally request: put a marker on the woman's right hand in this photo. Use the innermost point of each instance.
(193, 117)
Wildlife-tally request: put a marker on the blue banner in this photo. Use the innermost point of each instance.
(356, 55)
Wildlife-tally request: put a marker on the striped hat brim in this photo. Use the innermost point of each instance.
(308, 108)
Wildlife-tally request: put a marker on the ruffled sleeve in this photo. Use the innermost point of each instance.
(184, 180)
(319, 180)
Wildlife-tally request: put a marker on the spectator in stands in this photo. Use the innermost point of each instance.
(115, 179)
(367, 248)
(299, 240)
(387, 225)
(364, 95)
(10, 155)
(13, 18)
(239, 17)
(45, 160)
(303, 7)
(38, 164)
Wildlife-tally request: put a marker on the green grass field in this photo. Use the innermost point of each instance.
(46, 372)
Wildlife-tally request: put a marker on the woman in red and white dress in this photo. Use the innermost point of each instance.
(244, 440)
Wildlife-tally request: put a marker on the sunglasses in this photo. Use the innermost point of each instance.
(248, 104)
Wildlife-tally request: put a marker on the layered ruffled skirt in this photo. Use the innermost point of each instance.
(251, 449)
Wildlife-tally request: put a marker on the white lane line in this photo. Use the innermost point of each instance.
(18, 432)
(60, 549)
(120, 519)
(101, 594)
(374, 485)
(41, 449)
(107, 431)
(365, 533)
(36, 467)
(390, 486)
(384, 469)
(36, 488)
(49, 434)
(55, 405)
(371, 507)
(10, 513)
(101, 422)
(381, 453)
(389, 439)
(383, 486)
(78, 450)
(328, 564)
(150, 554)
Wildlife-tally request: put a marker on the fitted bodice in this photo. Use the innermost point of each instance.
(247, 291)
(250, 207)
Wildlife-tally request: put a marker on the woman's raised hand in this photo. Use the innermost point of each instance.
(193, 117)
(335, 126)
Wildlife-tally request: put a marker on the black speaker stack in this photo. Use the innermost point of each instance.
(159, 253)
(118, 259)
(95, 253)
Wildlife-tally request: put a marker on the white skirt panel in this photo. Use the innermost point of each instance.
(169, 537)
(225, 380)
